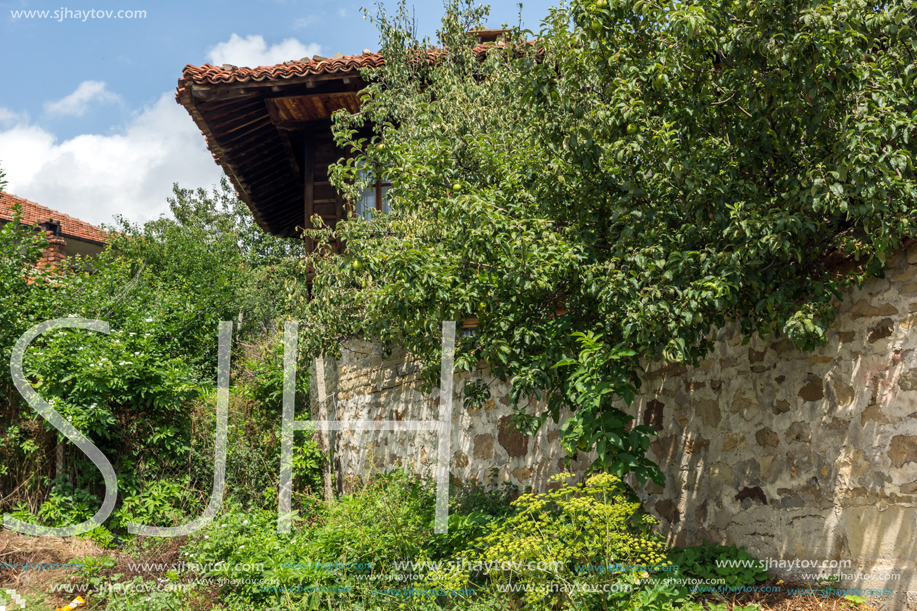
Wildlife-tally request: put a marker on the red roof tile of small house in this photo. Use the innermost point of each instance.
(33, 214)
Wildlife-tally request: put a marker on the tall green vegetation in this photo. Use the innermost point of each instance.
(635, 176)
(217, 264)
(144, 393)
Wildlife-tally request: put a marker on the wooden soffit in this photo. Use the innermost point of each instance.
(292, 112)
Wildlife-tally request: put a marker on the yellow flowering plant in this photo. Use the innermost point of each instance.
(575, 545)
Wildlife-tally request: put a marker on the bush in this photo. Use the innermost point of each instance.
(255, 412)
(243, 544)
(163, 288)
(594, 540)
(705, 562)
(473, 509)
(390, 519)
(572, 535)
(339, 558)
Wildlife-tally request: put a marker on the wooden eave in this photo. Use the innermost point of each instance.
(254, 130)
(269, 129)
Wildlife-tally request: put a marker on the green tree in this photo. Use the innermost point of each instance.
(640, 175)
(223, 215)
(117, 388)
(210, 262)
(163, 288)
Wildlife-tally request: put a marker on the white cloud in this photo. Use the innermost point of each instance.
(253, 51)
(78, 103)
(93, 177)
(8, 117)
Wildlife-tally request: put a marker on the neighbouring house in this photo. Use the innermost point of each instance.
(67, 236)
(800, 457)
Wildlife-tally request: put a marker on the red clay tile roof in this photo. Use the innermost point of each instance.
(213, 75)
(33, 213)
(218, 75)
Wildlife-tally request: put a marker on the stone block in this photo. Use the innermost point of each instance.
(733, 441)
(663, 448)
(813, 390)
(720, 475)
(908, 381)
(666, 508)
(514, 442)
(745, 403)
(903, 450)
(696, 446)
(865, 309)
(709, 411)
(845, 337)
(652, 415)
(767, 437)
(484, 447)
(880, 331)
(873, 413)
(912, 254)
(780, 407)
(844, 394)
(798, 432)
(851, 464)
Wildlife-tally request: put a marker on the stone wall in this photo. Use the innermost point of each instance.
(809, 456)
(365, 384)
(796, 456)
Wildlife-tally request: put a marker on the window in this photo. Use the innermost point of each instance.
(373, 198)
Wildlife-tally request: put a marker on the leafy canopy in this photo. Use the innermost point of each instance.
(163, 288)
(217, 263)
(641, 174)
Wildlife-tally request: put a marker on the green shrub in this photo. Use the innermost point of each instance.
(473, 508)
(390, 519)
(703, 562)
(253, 453)
(243, 544)
(487, 498)
(92, 567)
(162, 503)
(573, 536)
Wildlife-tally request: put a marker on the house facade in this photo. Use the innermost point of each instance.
(269, 128)
(809, 459)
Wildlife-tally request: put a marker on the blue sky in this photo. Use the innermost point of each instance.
(88, 122)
